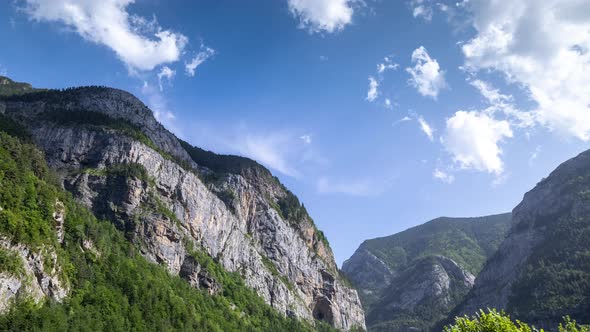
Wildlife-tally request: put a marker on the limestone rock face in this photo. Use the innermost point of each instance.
(234, 218)
(36, 281)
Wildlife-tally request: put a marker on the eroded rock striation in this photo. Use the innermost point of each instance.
(171, 199)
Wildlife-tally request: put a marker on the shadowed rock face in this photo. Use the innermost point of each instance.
(235, 217)
(541, 271)
(411, 280)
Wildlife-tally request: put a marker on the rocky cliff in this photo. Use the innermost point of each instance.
(541, 272)
(411, 280)
(167, 196)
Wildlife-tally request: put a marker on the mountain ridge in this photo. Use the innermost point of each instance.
(412, 279)
(250, 222)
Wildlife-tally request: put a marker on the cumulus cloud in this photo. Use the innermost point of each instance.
(426, 128)
(191, 66)
(165, 74)
(322, 15)
(542, 46)
(373, 89)
(139, 43)
(443, 176)
(427, 76)
(473, 139)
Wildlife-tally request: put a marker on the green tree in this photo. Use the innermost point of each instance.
(494, 321)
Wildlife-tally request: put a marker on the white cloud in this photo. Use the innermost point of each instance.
(404, 119)
(373, 89)
(426, 128)
(423, 11)
(3, 71)
(140, 44)
(426, 74)
(503, 104)
(159, 106)
(387, 64)
(165, 74)
(473, 139)
(543, 46)
(322, 15)
(443, 176)
(271, 150)
(306, 139)
(323, 58)
(202, 56)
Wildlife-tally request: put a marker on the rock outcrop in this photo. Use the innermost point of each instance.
(41, 276)
(137, 174)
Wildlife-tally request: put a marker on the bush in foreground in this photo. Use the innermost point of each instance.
(494, 321)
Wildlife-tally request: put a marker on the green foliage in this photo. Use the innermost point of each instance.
(491, 321)
(27, 200)
(9, 87)
(558, 273)
(219, 163)
(126, 170)
(412, 254)
(14, 128)
(468, 241)
(494, 321)
(11, 262)
(115, 289)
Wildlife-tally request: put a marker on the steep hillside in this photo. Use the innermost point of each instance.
(414, 278)
(62, 269)
(541, 272)
(168, 197)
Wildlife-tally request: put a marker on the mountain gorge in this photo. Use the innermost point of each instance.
(413, 279)
(179, 206)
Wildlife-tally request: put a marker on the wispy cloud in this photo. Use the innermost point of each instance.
(165, 74)
(443, 176)
(426, 128)
(204, 54)
(373, 89)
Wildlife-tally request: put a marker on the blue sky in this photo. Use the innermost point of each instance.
(379, 115)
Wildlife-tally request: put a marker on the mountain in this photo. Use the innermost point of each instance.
(178, 205)
(541, 272)
(413, 279)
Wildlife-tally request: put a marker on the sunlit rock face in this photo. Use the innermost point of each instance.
(235, 217)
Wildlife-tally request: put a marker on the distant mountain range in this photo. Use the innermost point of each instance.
(533, 263)
(416, 277)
